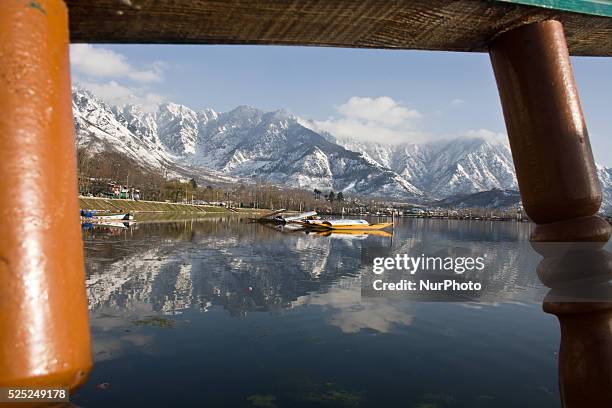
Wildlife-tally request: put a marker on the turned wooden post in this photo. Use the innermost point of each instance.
(561, 193)
(549, 140)
(44, 333)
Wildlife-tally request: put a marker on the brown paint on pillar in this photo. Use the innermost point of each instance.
(585, 371)
(585, 354)
(549, 140)
(44, 333)
(561, 193)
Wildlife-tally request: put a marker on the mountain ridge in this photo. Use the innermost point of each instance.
(277, 147)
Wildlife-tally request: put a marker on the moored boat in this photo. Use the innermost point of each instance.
(93, 215)
(353, 233)
(122, 217)
(277, 218)
(121, 224)
(353, 225)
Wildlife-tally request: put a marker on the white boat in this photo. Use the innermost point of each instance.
(111, 223)
(301, 216)
(115, 217)
(276, 218)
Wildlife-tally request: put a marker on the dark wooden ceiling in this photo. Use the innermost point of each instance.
(461, 25)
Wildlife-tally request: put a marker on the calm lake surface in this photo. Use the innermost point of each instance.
(216, 312)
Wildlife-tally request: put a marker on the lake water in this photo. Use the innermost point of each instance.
(217, 312)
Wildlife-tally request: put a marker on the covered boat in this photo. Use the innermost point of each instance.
(343, 224)
(93, 215)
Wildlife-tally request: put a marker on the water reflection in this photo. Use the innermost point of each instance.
(178, 306)
(351, 313)
(249, 267)
(579, 275)
(242, 267)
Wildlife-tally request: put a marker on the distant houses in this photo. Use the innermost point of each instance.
(95, 187)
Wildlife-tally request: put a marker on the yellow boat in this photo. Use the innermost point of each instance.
(352, 225)
(356, 233)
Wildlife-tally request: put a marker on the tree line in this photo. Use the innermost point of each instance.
(97, 171)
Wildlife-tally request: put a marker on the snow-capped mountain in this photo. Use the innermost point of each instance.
(605, 177)
(98, 127)
(249, 144)
(245, 142)
(156, 141)
(446, 168)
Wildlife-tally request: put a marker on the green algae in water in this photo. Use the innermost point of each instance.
(435, 401)
(155, 321)
(329, 395)
(262, 401)
(484, 401)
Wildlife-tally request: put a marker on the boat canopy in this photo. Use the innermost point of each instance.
(301, 216)
(337, 223)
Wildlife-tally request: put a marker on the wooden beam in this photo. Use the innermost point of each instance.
(459, 25)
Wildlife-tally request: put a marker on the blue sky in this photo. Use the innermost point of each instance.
(401, 95)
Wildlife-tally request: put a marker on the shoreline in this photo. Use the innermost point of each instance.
(115, 205)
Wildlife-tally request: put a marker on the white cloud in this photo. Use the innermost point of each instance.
(352, 313)
(111, 92)
(106, 72)
(384, 120)
(379, 119)
(117, 94)
(383, 110)
(98, 62)
(457, 102)
(487, 135)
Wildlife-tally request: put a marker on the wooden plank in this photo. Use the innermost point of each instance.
(460, 25)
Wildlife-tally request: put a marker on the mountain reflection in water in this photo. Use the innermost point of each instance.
(245, 267)
(219, 312)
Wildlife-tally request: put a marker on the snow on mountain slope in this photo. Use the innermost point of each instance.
(245, 142)
(605, 177)
(274, 146)
(134, 133)
(98, 127)
(248, 144)
(468, 166)
(444, 168)
(178, 128)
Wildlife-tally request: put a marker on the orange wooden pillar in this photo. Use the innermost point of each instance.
(44, 333)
